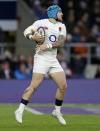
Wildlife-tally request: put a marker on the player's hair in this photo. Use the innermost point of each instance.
(52, 11)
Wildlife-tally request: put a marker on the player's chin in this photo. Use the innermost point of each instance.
(60, 20)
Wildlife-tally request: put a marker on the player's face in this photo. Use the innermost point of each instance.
(60, 16)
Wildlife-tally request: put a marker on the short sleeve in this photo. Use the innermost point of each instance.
(64, 31)
(32, 28)
(36, 24)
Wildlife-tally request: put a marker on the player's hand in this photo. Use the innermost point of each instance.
(38, 38)
(61, 38)
(40, 48)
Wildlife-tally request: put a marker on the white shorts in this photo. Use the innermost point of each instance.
(45, 66)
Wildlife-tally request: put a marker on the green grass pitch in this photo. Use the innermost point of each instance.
(46, 122)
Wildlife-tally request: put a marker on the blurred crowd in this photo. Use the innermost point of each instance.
(81, 59)
(20, 68)
(82, 17)
(7, 36)
(15, 67)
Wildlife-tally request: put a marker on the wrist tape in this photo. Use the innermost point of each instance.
(30, 37)
(49, 46)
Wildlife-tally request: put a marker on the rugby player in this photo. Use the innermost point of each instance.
(53, 36)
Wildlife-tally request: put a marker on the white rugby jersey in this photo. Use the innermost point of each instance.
(52, 32)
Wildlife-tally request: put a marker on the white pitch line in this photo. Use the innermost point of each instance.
(33, 111)
(93, 110)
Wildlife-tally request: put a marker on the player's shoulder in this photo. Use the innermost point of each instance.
(44, 20)
(61, 24)
(41, 21)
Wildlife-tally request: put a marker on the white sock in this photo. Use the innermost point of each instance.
(58, 108)
(21, 107)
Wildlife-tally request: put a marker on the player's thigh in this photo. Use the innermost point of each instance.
(60, 79)
(41, 66)
(37, 78)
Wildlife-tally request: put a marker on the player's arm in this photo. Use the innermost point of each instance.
(60, 42)
(57, 44)
(31, 34)
(61, 39)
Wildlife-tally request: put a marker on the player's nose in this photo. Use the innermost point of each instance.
(62, 13)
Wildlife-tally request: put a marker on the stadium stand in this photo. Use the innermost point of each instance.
(81, 56)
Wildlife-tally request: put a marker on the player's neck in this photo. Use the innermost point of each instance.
(53, 20)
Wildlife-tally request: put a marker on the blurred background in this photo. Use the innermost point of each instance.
(80, 59)
(80, 56)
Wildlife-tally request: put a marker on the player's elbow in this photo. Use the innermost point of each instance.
(25, 32)
(61, 44)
